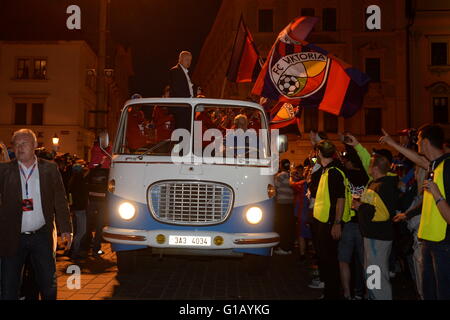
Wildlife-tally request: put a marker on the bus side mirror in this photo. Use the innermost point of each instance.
(104, 142)
(282, 143)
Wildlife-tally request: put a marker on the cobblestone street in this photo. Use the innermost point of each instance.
(195, 278)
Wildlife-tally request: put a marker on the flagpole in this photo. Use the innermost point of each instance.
(224, 84)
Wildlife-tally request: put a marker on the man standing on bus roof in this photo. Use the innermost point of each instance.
(181, 86)
(180, 82)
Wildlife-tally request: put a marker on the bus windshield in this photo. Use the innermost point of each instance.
(147, 128)
(219, 131)
(239, 129)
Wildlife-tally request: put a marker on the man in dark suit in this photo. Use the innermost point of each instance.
(31, 196)
(181, 86)
(180, 82)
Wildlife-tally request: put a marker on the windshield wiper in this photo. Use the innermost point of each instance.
(156, 146)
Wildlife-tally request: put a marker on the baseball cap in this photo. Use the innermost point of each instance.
(385, 153)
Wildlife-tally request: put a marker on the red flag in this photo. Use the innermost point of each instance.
(245, 63)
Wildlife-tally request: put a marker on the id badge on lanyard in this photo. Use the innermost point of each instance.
(27, 203)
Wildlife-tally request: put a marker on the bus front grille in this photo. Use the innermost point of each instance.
(190, 202)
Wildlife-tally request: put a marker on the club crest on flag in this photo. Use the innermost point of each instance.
(286, 112)
(300, 74)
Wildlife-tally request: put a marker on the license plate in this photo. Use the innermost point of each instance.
(190, 241)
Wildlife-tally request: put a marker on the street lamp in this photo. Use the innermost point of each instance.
(55, 141)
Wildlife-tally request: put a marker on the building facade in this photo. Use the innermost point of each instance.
(50, 87)
(429, 44)
(341, 30)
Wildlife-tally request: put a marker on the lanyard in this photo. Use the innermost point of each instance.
(27, 178)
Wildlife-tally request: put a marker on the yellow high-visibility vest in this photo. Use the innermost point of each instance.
(381, 212)
(322, 202)
(433, 226)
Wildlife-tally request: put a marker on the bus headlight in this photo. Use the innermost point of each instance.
(127, 211)
(254, 215)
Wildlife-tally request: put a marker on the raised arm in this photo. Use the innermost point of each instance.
(363, 154)
(409, 153)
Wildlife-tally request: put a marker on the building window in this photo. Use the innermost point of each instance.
(373, 121)
(310, 119)
(265, 20)
(329, 19)
(28, 68)
(37, 114)
(373, 69)
(439, 53)
(330, 122)
(23, 68)
(40, 69)
(20, 116)
(307, 12)
(29, 113)
(440, 109)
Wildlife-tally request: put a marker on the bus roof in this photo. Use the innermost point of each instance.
(195, 101)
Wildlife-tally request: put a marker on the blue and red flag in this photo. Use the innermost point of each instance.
(245, 64)
(301, 73)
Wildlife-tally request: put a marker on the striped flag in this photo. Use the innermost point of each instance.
(301, 73)
(245, 63)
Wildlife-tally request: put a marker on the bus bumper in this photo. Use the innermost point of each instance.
(190, 239)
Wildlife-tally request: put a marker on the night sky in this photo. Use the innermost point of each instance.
(156, 30)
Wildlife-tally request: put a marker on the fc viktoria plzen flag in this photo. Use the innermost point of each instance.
(301, 73)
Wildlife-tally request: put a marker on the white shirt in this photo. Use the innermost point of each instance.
(32, 220)
(190, 84)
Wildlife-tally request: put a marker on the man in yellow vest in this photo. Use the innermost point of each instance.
(375, 210)
(351, 245)
(434, 229)
(328, 213)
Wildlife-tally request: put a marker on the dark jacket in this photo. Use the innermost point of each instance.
(98, 183)
(78, 187)
(386, 188)
(53, 198)
(179, 86)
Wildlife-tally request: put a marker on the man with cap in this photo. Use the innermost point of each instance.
(375, 210)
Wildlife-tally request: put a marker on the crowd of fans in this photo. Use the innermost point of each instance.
(361, 217)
